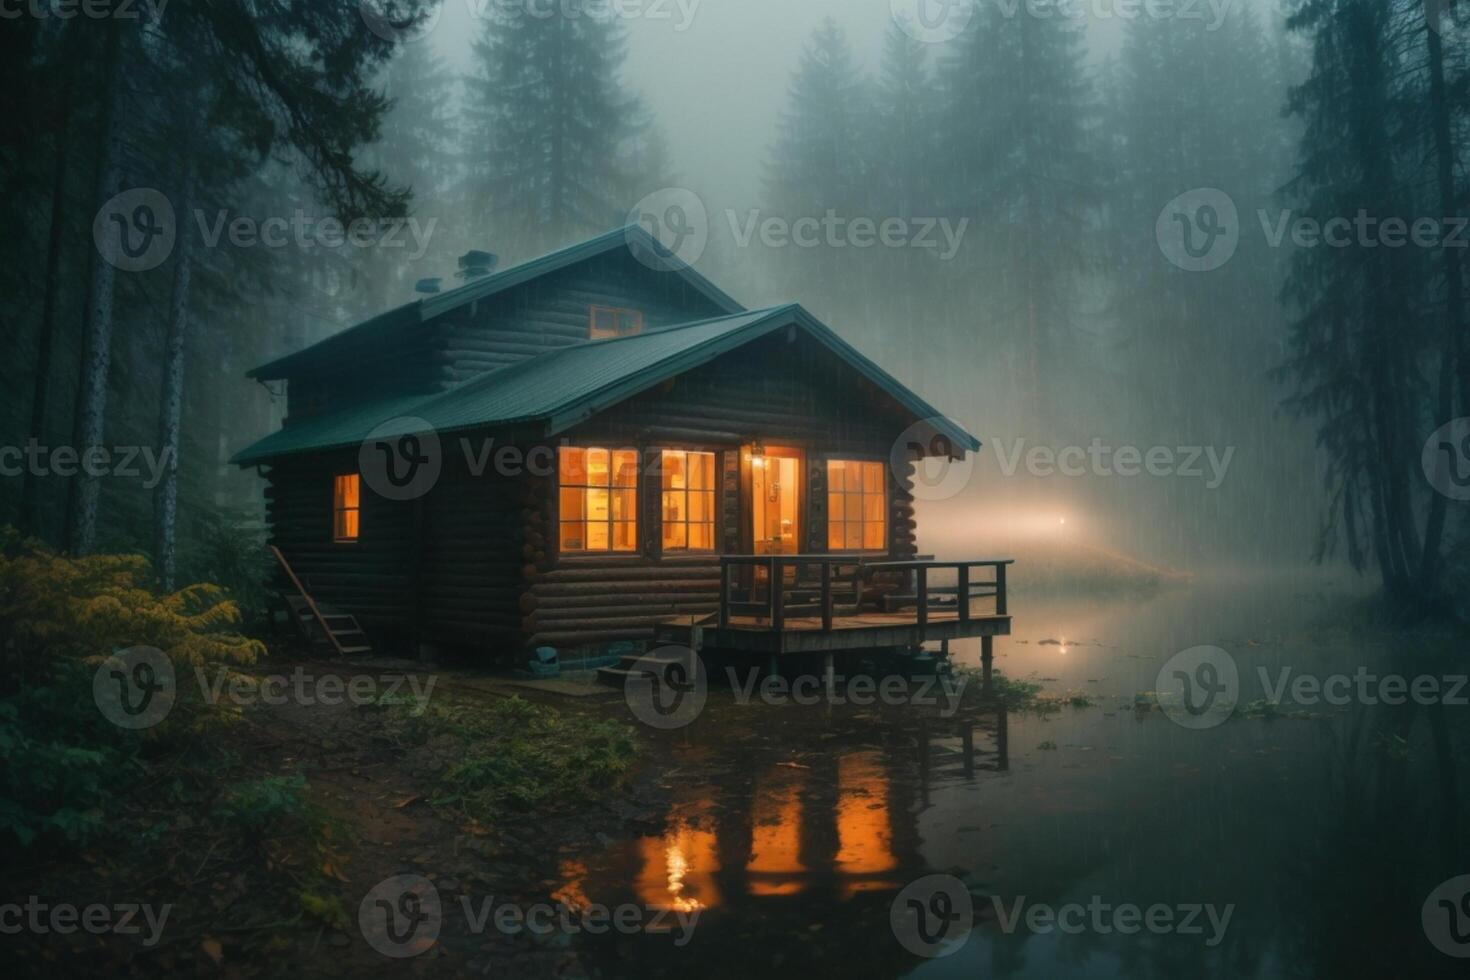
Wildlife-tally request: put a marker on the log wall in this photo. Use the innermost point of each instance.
(783, 390)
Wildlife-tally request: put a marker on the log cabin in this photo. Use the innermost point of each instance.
(601, 445)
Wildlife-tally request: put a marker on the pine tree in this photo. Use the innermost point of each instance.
(546, 120)
(1358, 337)
(1022, 166)
(819, 161)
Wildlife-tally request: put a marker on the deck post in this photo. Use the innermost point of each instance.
(987, 657)
(724, 595)
(778, 596)
(827, 596)
(964, 593)
(1000, 590)
(923, 577)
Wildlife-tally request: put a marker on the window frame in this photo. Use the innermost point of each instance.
(340, 509)
(714, 491)
(619, 312)
(638, 521)
(863, 494)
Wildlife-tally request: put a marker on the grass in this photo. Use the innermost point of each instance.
(516, 757)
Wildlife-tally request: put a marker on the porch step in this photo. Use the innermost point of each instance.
(631, 665)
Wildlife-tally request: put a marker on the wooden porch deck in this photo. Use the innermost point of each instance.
(814, 615)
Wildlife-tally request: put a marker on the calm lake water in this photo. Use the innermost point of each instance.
(1320, 833)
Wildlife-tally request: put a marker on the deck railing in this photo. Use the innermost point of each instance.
(845, 572)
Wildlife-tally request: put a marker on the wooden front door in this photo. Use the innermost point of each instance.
(776, 501)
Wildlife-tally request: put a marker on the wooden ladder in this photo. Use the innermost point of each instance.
(341, 630)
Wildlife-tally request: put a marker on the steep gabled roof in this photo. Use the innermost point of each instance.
(564, 387)
(633, 237)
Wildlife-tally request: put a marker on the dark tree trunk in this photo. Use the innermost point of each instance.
(1454, 311)
(46, 334)
(166, 494)
(81, 524)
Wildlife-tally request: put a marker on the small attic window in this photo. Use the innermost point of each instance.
(610, 321)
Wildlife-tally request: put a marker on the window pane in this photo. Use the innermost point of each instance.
(674, 535)
(873, 477)
(624, 505)
(597, 505)
(836, 475)
(625, 537)
(835, 511)
(571, 504)
(872, 507)
(873, 536)
(597, 467)
(625, 464)
(702, 537)
(674, 470)
(598, 537)
(347, 491)
(701, 507)
(703, 471)
(853, 535)
(573, 537)
(573, 466)
(854, 507)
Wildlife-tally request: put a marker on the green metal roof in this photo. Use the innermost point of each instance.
(564, 387)
(422, 310)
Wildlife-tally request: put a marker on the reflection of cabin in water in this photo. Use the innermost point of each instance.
(602, 445)
(795, 839)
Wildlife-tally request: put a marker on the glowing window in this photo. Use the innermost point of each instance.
(688, 501)
(609, 321)
(857, 506)
(346, 508)
(598, 500)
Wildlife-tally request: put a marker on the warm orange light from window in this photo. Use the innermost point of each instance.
(607, 321)
(598, 500)
(346, 508)
(857, 506)
(688, 500)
